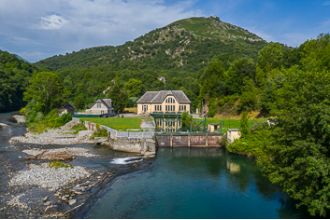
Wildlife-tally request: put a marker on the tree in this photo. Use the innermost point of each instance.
(44, 92)
(186, 120)
(249, 99)
(118, 95)
(134, 87)
(14, 75)
(298, 157)
(213, 80)
(239, 71)
(244, 124)
(272, 56)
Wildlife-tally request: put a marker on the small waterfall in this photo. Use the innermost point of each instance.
(126, 160)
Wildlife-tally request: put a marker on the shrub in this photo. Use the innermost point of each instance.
(100, 132)
(58, 164)
(78, 127)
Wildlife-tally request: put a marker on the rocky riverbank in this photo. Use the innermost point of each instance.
(59, 136)
(35, 184)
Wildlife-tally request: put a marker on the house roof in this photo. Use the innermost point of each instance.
(106, 102)
(159, 96)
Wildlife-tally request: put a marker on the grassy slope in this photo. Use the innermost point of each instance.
(121, 124)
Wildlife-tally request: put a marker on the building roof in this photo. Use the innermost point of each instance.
(158, 97)
(106, 102)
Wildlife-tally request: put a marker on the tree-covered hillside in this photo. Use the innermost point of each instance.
(175, 53)
(185, 44)
(14, 74)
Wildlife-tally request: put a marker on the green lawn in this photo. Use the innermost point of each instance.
(121, 124)
(231, 123)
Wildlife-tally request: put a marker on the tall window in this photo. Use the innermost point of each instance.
(145, 108)
(170, 108)
(182, 108)
(158, 108)
(98, 105)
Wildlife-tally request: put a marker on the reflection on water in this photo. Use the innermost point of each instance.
(195, 183)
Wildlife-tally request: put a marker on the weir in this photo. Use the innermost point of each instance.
(188, 139)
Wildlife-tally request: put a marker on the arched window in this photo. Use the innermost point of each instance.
(170, 100)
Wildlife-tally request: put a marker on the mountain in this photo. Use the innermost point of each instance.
(14, 74)
(175, 53)
(186, 44)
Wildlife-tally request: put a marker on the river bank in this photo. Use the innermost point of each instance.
(32, 188)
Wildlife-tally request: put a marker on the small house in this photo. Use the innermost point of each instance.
(213, 127)
(101, 107)
(65, 109)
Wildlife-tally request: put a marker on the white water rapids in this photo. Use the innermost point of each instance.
(126, 160)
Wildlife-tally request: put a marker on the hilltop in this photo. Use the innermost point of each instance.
(186, 44)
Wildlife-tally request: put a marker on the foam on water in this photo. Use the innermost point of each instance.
(126, 160)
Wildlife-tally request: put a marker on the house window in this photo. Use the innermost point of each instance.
(182, 108)
(170, 100)
(158, 108)
(145, 108)
(98, 105)
(170, 108)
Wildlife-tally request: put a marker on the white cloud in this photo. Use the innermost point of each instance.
(52, 22)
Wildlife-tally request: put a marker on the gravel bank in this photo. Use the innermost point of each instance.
(59, 153)
(49, 178)
(59, 136)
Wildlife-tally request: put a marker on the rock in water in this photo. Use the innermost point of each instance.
(20, 119)
(3, 125)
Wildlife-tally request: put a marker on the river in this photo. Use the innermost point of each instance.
(195, 183)
(180, 183)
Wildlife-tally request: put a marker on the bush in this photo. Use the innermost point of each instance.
(38, 123)
(100, 132)
(78, 127)
(253, 144)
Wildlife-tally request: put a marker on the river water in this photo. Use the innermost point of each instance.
(180, 183)
(195, 183)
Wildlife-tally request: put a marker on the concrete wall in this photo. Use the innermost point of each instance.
(140, 146)
(127, 143)
(189, 141)
(232, 135)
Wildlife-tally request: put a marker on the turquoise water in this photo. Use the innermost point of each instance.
(195, 183)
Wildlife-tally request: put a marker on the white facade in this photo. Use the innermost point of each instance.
(101, 107)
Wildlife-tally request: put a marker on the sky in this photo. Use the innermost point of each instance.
(37, 29)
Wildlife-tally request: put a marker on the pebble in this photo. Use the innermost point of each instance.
(72, 201)
(49, 178)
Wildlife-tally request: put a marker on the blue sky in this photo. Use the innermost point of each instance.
(36, 29)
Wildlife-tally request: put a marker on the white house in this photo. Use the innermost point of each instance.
(101, 107)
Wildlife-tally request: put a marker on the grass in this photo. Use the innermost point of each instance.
(100, 132)
(78, 127)
(121, 124)
(231, 122)
(59, 164)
